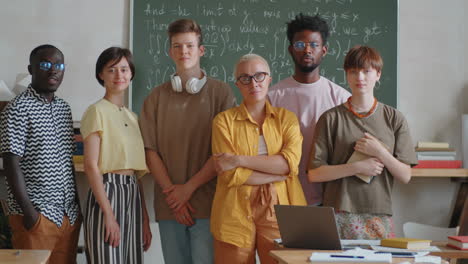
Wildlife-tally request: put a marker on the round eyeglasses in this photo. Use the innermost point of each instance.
(247, 79)
(301, 45)
(45, 66)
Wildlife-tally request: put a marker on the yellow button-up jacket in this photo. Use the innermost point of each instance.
(234, 131)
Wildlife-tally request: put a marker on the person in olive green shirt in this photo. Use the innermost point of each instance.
(374, 129)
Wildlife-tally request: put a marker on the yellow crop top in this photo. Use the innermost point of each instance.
(121, 142)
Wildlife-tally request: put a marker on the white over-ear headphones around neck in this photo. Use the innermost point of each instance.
(192, 86)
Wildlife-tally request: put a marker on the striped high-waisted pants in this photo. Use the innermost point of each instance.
(124, 196)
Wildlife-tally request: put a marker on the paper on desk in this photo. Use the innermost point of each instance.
(359, 256)
(391, 249)
(428, 259)
(425, 260)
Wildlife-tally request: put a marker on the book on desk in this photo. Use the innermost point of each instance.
(406, 243)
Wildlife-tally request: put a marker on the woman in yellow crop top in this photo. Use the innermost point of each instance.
(257, 149)
(116, 221)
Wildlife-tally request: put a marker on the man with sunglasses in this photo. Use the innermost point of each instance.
(306, 93)
(37, 144)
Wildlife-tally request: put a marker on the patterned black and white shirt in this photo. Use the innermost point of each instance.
(42, 134)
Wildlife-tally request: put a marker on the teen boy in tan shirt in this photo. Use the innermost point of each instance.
(176, 127)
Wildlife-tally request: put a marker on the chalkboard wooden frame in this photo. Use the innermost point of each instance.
(378, 28)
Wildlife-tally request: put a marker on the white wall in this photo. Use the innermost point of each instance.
(432, 87)
(432, 93)
(432, 67)
(81, 29)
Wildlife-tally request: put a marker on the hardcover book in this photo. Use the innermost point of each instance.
(358, 156)
(439, 145)
(408, 243)
(434, 149)
(439, 164)
(458, 242)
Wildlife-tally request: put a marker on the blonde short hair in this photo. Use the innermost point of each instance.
(250, 57)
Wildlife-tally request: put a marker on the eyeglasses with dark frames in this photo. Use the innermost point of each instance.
(247, 79)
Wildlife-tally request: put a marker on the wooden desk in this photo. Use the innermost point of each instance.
(301, 256)
(445, 251)
(448, 252)
(24, 256)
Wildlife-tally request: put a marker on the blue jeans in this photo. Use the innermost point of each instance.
(186, 244)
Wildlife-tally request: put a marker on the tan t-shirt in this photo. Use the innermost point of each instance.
(178, 127)
(335, 135)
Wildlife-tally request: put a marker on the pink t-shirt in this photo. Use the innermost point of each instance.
(308, 101)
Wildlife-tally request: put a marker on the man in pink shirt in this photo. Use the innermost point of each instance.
(306, 93)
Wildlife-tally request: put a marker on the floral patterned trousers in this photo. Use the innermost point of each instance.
(364, 226)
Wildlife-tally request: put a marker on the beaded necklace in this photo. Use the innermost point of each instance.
(350, 105)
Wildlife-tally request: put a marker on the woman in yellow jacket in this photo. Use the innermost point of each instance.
(256, 150)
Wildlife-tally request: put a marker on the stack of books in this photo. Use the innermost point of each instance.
(458, 242)
(436, 155)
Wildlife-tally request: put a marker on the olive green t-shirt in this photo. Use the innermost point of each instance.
(334, 139)
(177, 125)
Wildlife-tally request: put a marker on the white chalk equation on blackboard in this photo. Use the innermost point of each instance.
(232, 29)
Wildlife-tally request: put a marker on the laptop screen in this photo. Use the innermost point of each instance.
(310, 227)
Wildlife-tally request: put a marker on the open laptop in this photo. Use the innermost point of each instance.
(310, 227)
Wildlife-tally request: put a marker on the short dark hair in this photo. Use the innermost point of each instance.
(36, 50)
(113, 54)
(185, 26)
(303, 22)
(363, 57)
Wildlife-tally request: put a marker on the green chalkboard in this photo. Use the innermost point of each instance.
(233, 28)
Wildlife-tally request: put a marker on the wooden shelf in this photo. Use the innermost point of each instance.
(439, 173)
